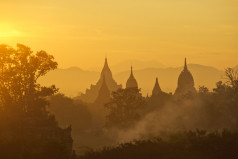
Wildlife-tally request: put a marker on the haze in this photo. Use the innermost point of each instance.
(82, 32)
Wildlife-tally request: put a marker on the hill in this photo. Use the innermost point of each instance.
(236, 67)
(74, 80)
(125, 65)
(71, 81)
(203, 75)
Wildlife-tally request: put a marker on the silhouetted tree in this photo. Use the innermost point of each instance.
(225, 97)
(125, 108)
(187, 145)
(19, 72)
(27, 130)
(70, 112)
(220, 107)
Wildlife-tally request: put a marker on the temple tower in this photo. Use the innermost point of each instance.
(131, 82)
(103, 94)
(156, 90)
(185, 82)
(91, 94)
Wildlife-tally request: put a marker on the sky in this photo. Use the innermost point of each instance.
(82, 32)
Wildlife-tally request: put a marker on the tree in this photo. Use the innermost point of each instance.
(27, 129)
(232, 80)
(225, 98)
(125, 107)
(19, 71)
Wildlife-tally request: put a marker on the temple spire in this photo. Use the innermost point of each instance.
(104, 93)
(106, 70)
(132, 75)
(157, 89)
(185, 64)
(185, 82)
(131, 70)
(106, 78)
(106, 64)
(131, 82)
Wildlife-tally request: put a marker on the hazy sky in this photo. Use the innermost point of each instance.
(81, 32)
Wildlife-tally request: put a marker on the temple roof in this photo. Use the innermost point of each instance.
(157, 89)
(106, 70)
(103, 93)
(185, 77)
(106, 77)
(131, 82)
(185, 80)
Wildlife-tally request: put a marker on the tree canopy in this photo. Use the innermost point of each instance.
(125, 107)
(20, 69)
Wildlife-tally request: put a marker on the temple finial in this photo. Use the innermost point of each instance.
(106, 70)
(156, 90)
(185, 64)
(106, 63)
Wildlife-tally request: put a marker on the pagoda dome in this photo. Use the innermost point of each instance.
(131, 82)
(185, 81)
(185, 78)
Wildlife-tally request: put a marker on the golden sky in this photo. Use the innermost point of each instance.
(81, 32)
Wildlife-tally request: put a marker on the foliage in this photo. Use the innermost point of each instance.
(125, 107)
(224, 100)
(27, 130)
(33, 149)
(19, 71)
(188, 145)
(70, 112)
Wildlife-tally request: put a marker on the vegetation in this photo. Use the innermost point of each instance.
(188, 145)
(70, 112)
(222, 103)
(126, 108)
(27, 130)
(213, 110)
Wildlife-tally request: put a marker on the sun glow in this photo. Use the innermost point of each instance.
(78, 32)
(8, 32)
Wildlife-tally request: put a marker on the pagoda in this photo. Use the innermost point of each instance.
(106, 77)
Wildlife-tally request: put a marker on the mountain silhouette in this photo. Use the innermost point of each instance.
(139, 64)
(71, 81)
(236, 67)
(167, 77)
(74, 80)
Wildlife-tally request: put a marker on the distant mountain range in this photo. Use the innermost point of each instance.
(125, 65)
(236, 67)
(203, 75)
(73, 81)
